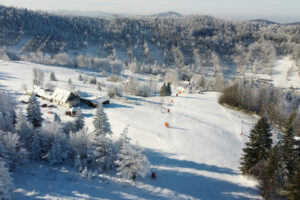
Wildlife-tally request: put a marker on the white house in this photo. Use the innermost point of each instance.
(65, 98)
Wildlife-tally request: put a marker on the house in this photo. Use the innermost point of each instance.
(65, 98)
(42, 93)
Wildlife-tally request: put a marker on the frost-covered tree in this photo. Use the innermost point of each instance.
(131, 161)
(79, 120)
(80, 146)
(59, 151)
(36, 146)
(24, 130)
(101, 124)
(7, 112)
(101, 153)
(6, 182)
(38, 77)
(16, 154)
(52, 77)
(34, 115)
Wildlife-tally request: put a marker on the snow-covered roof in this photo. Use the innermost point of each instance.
(41, 92)
(98, 99)
(61, 95)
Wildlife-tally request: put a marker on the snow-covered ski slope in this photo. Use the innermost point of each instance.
(197, 157)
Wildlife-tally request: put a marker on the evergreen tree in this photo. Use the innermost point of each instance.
(274, 175)
(163, 90)
(101, 124)
(288, 147)
(101, 154)
(80, 77)
(34, 115)
(6, 182)
(36, 146)
(79, 120)
(293, 188)
(59, 150)
(258, 147)
(52, 77)
(168, 90)
(24, 130)
(131, 161)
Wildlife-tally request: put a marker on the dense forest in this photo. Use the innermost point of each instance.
(201, 44)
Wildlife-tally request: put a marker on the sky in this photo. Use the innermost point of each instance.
(276, 10)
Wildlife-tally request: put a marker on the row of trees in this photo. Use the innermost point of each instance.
(263, 98)
(31, 138)
(276, 166)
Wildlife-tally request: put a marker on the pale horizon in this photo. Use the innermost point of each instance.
(273, 10)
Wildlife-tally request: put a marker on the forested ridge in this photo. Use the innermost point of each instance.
(189, 43)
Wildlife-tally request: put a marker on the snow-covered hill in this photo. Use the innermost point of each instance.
(197, 157)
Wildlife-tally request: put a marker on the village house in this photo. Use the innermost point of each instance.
(59, 96)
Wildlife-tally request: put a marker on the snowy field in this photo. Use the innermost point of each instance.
(197, 157)
(285, 74)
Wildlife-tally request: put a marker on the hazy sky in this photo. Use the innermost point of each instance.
(277, 10)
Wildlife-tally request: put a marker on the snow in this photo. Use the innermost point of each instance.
(280, 71)
(197, 157)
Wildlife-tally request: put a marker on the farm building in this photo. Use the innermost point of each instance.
(65, 98)
(59, 96)
(94, 102)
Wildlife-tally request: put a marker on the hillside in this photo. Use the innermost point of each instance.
(197, 157)
(192, 44)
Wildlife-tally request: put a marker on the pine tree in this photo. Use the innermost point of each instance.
(131, 161)
(79, 120)
(34, 115)
(163, 90)
(80, 77)
(293, 187)
(6, 182)
(288, 147)
(59, 150)
(52, 77)
(101, 154)
(258, 147)
(36, 146)
(24, 130)
(274, 174)
(101, 124)
(168, 90)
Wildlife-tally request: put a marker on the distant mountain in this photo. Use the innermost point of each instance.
(263, 21)
(86, 13)
(294, 23)
(167, 14)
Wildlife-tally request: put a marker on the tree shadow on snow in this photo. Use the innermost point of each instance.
(115, 105)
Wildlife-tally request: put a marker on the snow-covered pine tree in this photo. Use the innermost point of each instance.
(35, 146)
(258, 147)
(34, 115)
(131, 161)
(6, 183)
(59, 151)
(7, 112)
(101, 124)
(80, 77)
(80, 146)
(16, 154)
(79, 120)
(289, 150)
(52, 77)
(24, 130)
(101, 154)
